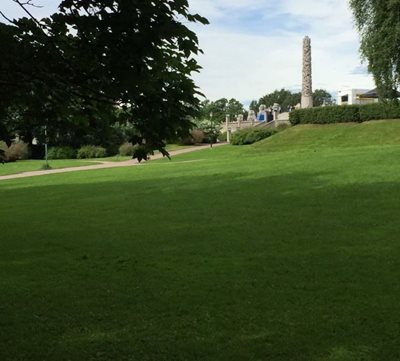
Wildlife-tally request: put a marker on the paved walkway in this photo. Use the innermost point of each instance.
(104, 165)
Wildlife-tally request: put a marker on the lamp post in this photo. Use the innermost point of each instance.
(45, 147)
(228, 130)
(212, 129)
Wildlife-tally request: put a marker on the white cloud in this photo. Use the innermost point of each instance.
(244, 63)
(253, 47)
(225, 8)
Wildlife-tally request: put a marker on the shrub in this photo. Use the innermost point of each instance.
(91, 151)
(345, 113)
(2, 156)
(325, 115)
(18, 150)
(5, 154)
(197, 136)
(237, 138)
(3, 148)
(210, 138)
(61, 153)
(186, 141)
(295, 117)
(127, 149)
(283, 126)
(37, 151)
(251, 135)
(379, 111)
(222, 137)
(114, 139)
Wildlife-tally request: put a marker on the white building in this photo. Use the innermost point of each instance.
(352, 96)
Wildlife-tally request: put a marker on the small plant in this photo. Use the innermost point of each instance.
(45, 166)
(196, 136)
(91, 151)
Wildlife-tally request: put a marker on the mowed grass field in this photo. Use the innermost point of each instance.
(33, 165)
(22, 166)
(285, 250)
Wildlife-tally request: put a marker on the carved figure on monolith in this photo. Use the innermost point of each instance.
(306, 93)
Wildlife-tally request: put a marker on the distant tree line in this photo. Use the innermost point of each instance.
(286, 98)
(217, 110)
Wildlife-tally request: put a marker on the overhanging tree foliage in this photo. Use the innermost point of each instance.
(378, 23)
(92, 56)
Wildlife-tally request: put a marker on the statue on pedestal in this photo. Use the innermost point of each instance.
(239, 119)
(262, 114)
(251, 117)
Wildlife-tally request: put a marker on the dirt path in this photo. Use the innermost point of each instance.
(103, 164)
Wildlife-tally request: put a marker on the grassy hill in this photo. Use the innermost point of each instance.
(284, 250)
(375, 133)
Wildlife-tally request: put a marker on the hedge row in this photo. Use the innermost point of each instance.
(61, 152)
(345, 113)
(251, 135)
(87, 151)
(91, 151)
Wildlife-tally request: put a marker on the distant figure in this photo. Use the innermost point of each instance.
(262, 114)
(270, 115)
(252, 116)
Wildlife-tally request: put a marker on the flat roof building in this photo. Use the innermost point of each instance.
(352, 96)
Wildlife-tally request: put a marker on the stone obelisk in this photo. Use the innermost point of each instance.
(306, 93)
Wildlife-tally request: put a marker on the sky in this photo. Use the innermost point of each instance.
(253, 47)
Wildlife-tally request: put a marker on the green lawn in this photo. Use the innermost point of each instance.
(172, 147)
(119, 158)
(285, 250)
(114, 158)
(32, 165)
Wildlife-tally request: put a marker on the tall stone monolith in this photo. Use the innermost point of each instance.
(306, 93)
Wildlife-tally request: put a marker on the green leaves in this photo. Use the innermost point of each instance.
(218, 109)
(378, 23)
(283, 97)
(286, 98)
(95, 55)
(321, 97)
